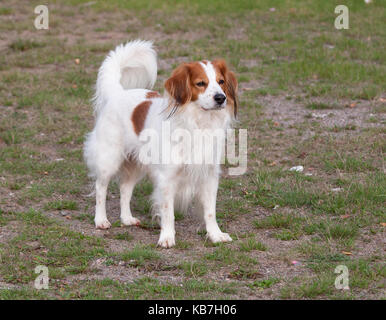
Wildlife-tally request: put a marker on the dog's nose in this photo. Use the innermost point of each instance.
(219, 98)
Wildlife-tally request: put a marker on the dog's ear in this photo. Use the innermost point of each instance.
(231, 90)
(231, 85)
(178, 85)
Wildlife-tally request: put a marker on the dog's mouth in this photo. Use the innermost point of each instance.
(217, 107)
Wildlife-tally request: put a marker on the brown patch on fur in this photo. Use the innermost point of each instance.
(197, 74)
(230, 82)
(139, 116)
(182, 85)
(152, 95)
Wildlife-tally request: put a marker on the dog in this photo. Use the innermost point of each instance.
(198, 96)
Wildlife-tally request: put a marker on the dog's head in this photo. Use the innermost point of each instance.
(208, 84)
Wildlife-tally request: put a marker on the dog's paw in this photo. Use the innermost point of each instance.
(130, 221)
(166, 240)
(102, 224)
(219, 237)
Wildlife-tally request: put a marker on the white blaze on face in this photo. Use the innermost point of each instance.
(206, 99)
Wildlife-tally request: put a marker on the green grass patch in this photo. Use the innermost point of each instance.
(123, 236)
(321, 106)
(41, 241)
(348, 164)
(5, 11)
(194, 269)
(61, 205)
(278, 220)
(251, 244)
(243, 273)
(139, 255)
(25, 44)
(149, 288)
(264, 284)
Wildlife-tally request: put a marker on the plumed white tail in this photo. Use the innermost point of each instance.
(129, 66)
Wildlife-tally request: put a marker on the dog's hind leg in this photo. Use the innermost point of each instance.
(101, 185)
(108, 163)
(129, 176)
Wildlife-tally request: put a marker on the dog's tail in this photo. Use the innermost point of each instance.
(129, 66)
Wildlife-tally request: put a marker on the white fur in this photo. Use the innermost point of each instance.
(205, 99)
(112, 147)
(133, 65)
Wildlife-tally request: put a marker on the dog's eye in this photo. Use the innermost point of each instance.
(200, 84)
(221, 81)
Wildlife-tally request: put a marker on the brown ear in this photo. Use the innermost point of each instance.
(231, 90)
(178, 85)
(230, 83)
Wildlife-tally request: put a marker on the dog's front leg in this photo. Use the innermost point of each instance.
(166, 212)
(207, 197)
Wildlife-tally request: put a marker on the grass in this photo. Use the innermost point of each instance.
(291, 64)
(123, 236)
(5, 11)
(252, 244)
(23, 45)
(138, 255)
(146, 288)
(61, 205)
(36, 243)
(362, 274)
(223, 255)
(278, 220)
(264, 284)
(320, 106)
(194, 269)
(348, 164)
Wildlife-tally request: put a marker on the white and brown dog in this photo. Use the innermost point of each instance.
(198, 95)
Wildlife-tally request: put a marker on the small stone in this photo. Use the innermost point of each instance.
(33, 245)
(297, 169)
(319, 116)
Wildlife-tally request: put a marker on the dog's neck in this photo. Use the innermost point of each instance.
(191, 116)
